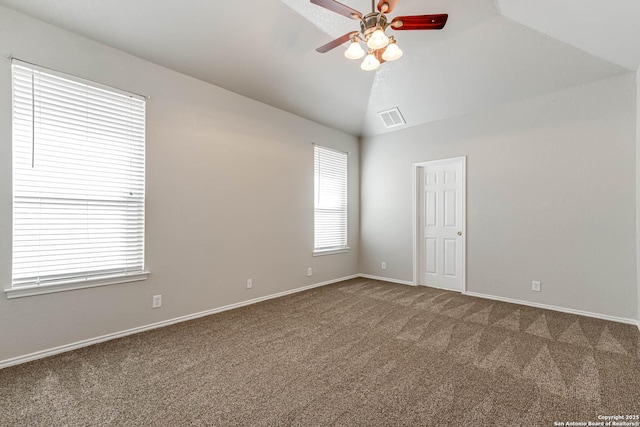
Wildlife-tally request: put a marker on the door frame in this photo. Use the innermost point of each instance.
(418, 192)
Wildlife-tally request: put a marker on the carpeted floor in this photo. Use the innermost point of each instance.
(357, 353)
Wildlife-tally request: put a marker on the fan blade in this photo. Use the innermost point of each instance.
(419, 22)
(378, 54)
(339, 8)
(337, 42)
(390, 5)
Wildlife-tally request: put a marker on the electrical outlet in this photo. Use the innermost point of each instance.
(157, 301)
(384, 265)
(249, 283)
(309, 272)
(535, 286)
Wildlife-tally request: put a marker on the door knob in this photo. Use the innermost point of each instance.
(459, 233)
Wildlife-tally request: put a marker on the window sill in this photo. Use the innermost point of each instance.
(28, 291)
(331, 251)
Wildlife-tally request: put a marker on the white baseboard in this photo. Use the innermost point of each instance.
(85, 343)
(555, 308)
(91, 341)
(387, 279)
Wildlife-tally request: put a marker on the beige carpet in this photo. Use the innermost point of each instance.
(358, 353)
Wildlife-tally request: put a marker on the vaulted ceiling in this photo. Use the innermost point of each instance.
(490, 52)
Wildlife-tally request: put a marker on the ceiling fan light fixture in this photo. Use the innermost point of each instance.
(392, 52)
(370, 62)
(354, 51)
(381, 48)
(378, 39)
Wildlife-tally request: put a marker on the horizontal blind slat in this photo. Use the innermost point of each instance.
(330, 195)
(78, 179)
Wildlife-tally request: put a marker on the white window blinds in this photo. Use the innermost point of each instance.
(330, 215)
(78, 179)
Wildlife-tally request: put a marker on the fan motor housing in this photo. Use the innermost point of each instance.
(371, 22)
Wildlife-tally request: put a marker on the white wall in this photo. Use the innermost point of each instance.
(229, 197)
(638, 185)
(550, 197)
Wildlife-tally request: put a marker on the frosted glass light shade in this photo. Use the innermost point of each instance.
(378, 40)
(370, 63)
(354, 51)
(392, 52)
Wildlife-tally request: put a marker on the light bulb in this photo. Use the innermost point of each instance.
(378, 40)
(370, 63)
(392, 52)
(354, 51)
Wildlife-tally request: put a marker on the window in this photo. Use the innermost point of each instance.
(78, 183)
(330, 191)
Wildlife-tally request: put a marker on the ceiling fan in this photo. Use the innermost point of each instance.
(372, 32)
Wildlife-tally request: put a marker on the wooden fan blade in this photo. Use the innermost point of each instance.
(337, 42)
(390, 5)
(336, 7)
(419, 22)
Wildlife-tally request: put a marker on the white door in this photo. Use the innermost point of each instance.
(440, 223)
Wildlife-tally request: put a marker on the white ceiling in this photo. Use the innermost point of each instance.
(490, 52)
(608, 29)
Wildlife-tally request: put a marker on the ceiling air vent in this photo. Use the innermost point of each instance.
(392, 118)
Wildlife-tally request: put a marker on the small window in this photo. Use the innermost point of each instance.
(78, 182)
(330, 191)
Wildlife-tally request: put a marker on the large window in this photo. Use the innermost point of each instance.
(330, 191)
(78, 183)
